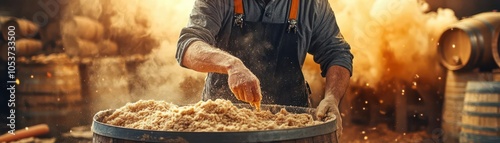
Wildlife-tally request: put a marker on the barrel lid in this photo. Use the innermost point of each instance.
(455, 49)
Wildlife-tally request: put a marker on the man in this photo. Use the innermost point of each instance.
(253, 51)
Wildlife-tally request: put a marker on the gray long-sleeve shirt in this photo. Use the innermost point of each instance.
(212, 20)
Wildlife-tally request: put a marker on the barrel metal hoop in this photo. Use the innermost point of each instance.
(476, 40)
(488, 24)
(481, 114)
(482, 128)
(488, 104)
(483, 87)
(480, 138)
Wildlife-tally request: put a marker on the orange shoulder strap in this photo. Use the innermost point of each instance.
(294, 10)
(238, 6)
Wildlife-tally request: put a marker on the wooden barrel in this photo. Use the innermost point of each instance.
(85, 48)
(107, 48)
(80, 47)
(3, 19)
(28, 47)
(132, 42)
(51, 32)
(23, 28)
(468, 44)
(481, 113)
(466, 8)
(83, 28)
(51, 94)
(456, 83)
(493, 20)
(24, 48)
(321, 133)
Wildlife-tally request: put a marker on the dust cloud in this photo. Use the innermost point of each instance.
(390, 39)
(148, 28)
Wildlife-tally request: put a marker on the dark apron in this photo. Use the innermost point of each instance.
(271, 53)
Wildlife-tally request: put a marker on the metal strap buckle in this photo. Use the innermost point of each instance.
(292, 25)
(238, 20)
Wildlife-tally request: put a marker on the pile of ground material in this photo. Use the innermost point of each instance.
(204, 116)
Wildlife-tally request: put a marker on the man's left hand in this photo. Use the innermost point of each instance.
(328, 109)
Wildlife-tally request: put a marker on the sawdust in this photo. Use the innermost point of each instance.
(204, 116)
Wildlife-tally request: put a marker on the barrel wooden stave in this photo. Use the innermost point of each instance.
(37, 100)
(52, 96)
(496, 75)
(49, 78)
(481, 120)
(455, 89)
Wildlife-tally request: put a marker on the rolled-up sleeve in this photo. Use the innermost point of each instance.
(204, 23)
(327, 44)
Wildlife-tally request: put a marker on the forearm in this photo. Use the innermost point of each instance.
(337, 82)
(202, 57)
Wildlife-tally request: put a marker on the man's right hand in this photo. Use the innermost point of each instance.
(244, 84)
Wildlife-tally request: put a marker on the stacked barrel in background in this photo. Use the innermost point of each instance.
(47, 92)
(83, 37)
(67, 64)
(470, 50)
(73, 60)
(25, 34)
(105, 59)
